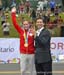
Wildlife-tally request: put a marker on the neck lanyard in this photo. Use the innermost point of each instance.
(26, 38)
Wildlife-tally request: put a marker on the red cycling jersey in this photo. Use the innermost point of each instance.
(30, 48)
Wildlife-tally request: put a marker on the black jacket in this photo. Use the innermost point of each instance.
(42, 45)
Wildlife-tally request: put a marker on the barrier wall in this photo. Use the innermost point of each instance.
(9, 50)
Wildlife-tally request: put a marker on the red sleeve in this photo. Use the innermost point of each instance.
(18, 28)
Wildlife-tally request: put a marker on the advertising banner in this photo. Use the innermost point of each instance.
(10, 47)
(57, 49)
(9, 50)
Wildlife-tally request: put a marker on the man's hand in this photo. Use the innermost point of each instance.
(13, 9)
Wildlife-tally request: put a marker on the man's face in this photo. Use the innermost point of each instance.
(40, 23)
(26, 25)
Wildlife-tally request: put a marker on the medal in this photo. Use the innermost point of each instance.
(26, 45)
(25, 39)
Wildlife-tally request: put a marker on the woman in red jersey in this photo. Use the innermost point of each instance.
(26, 44)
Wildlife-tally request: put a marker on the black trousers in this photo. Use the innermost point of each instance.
(44, 68)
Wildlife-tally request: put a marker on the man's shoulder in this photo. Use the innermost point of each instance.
(46, 31)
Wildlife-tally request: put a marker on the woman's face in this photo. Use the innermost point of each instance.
(26, 25)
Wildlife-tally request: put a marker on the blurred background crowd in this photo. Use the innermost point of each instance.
(51, 11)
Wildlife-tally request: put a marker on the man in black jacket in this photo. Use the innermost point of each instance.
(43, 61)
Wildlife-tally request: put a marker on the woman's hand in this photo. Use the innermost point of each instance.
(33, 31)
(13, 9)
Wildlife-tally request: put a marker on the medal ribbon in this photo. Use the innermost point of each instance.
(26, 37)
